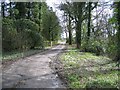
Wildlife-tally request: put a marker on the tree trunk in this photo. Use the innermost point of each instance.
(78, 34)
(10, 9)
(29, 9)
(118, 32)
(40, 16)
(80, 6)
(3, 9)
(89, 20)
(69, 29)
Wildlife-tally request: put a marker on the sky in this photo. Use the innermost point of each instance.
(54, 4)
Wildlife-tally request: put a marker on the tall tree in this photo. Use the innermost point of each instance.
(3, 9)
(89, 20)
(10, 8)
(118, 32)
(79, 14)
(50, 24)
(40, 10)
(68, 11)
(69, 30)
(29, 10)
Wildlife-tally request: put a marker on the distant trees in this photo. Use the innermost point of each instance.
(90, 8)
(74, 11)
(27, 25)
(50, 25)
(68, 14)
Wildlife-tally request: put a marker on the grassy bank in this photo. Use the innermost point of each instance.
(86, 70)
(13, 55)
(18, 54)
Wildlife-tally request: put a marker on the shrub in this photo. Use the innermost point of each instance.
(9, 34)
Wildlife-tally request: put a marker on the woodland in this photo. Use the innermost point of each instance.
(92, 36)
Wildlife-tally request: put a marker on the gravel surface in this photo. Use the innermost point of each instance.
(33, 71)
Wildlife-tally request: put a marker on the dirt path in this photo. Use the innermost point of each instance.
(33, 72)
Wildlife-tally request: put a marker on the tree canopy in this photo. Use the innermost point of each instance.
(27, 25)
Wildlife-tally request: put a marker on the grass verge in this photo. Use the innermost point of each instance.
(86, 70)
(18, 54)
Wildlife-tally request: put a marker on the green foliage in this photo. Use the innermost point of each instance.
(8, 34)
(73, 57)
(21, 12)
(27, 24)
(112, 50)
(104, 81)
(94, 46)
(86, 70)
(112, 20)
(50, 24)
(21, 34)
(74, 81)
(29, 27)
(30, 31)
(73, 40)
